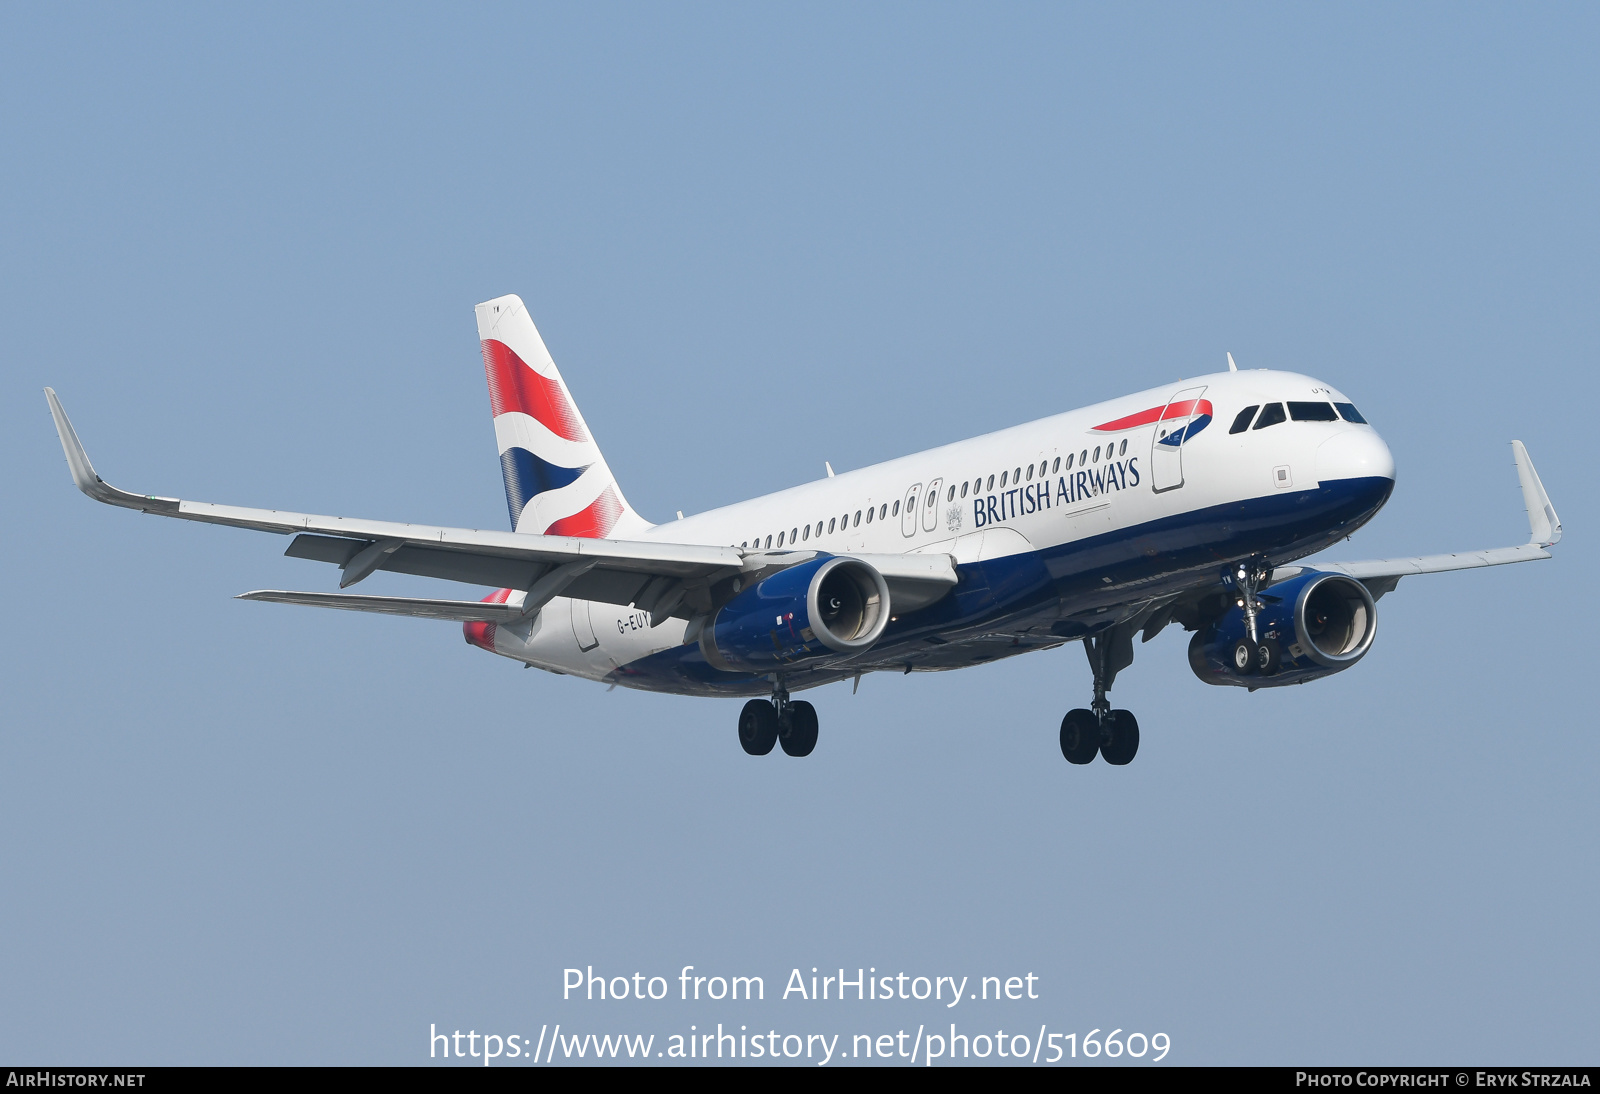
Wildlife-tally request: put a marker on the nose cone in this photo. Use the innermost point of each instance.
(1354, 454)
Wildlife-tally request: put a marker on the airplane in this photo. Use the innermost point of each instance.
(1189, 503)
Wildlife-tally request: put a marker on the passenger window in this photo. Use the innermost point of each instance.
(780, 539)
(1003, 480)
(1069, 461)
(1083, 457)
(1096, 453)
(897, 508)
(743, 543)
(769, 541)
(952, 496)
(1030, 472)
(857, 522)
(819, 527)
(1312, 412)
(870, 514)
(1271, 414)
(991, 482)
(1242, 422)
(1016, 476)
(1349, 413)
(963, 489)
(1057, 466)
(883, 510)
(832, 521)
(932, 497)
(794, 535)
(1123, 450)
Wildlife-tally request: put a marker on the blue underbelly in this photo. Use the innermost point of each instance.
(1070, 589)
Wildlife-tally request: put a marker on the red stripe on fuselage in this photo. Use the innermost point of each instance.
(593, 522)
(513, 386)
(1181, 409)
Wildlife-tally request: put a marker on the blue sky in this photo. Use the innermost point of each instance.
(244, 247)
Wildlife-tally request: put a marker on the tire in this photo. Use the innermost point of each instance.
(1269, 657)
(758, 727)
(1124, 743)
(1242, 657)
(1080, 737)
(801, 735)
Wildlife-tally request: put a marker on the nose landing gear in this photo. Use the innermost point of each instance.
(766, 722)
(1252, 653)
(1101, 731)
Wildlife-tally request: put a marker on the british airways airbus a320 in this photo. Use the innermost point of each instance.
(1187, 504)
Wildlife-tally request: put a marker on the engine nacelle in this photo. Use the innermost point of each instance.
(818, 612)
(1316, 623)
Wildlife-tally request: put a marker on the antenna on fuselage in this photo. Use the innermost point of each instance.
(1231, 366)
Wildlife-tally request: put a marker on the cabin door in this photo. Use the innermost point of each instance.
(583, 626)
(1172, 429)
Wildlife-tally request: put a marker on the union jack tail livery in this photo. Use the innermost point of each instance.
(557, 482)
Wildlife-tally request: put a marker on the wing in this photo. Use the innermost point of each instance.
(654, 576)
(664, 579)
(1381, 575)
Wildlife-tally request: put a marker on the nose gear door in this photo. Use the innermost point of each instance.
(1172, 429)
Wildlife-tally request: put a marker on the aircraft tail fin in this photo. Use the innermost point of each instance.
(557, 482)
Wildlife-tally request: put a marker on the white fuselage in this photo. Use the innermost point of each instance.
(1032, 488)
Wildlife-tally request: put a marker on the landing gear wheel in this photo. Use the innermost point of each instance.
(1268, 654)
(1123, 743)
(1243, 657)
(758, 727)
(799, 736)
(1080, 737)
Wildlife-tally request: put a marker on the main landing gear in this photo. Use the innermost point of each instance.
(1101, 731)
(766, 722)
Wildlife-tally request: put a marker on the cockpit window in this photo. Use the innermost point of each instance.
(1242, 422)
(1349, 413)
(1312, 412)
(1271, 414)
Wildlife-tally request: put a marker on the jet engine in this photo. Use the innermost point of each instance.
(821, 611)
(1313, 625)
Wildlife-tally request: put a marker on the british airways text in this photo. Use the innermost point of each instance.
(1069, 488)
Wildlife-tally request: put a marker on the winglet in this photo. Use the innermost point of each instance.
(1544, 527)
(1231, 366)
(83, 473)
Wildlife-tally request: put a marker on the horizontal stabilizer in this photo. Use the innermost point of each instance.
(458, 611)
